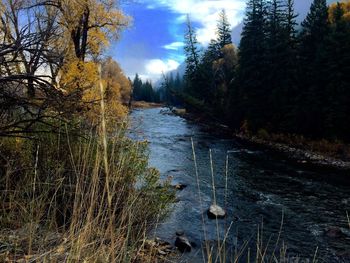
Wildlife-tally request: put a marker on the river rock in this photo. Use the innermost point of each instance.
(334, 232)
(180, 233)
(183, 244)
(216, 212)
(180, 112)
(162, 252)
(180, 186)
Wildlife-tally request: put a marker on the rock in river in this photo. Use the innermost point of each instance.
(180, 233)
(180, 186)
(216, 212)
(334, 232)
(183, 244)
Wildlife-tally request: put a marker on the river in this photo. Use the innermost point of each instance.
(262, 186)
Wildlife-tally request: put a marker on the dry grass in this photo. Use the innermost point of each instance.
(78, 202)
(88, 198)
(146, 105)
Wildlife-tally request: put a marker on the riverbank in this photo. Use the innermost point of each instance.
(302, 154)
(146, 105)
(320, 153)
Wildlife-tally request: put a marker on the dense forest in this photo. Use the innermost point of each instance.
(283, 77)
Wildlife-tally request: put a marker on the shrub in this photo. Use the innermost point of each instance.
(67, 197)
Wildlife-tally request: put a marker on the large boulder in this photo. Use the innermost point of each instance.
(216, 212)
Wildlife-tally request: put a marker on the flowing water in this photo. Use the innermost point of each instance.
(262, 186)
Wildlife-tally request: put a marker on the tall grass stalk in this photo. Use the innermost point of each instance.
(219, 254)
(265, 250)
(200, 199)
(74, 198)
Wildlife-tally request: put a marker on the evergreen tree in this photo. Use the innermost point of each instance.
(178, 82)
(205, 76)
(280, 67)
(291, 68)
(192, 58)
(249, 95)
(137, 87)
(223, 30)
(171, 81)
(143, 91)
(337, 93)
(147, 92)
(291, 24)
(311, 87)
(213, 73)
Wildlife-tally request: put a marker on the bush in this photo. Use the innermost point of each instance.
(66, 197)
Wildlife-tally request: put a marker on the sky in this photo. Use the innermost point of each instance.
(153, 43)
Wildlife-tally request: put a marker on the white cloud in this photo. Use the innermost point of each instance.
(174, 46)
(155, 67)
(204, 12)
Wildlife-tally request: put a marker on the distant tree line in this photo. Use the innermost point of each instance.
(143, 91)
(283, 78)
(171, 88)
(168, 91)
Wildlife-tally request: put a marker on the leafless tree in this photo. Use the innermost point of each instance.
(29, 62)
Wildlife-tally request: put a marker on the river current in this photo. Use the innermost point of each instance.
(262, 188)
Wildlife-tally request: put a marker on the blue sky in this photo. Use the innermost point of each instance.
(154, 42)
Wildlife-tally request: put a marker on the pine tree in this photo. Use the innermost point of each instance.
(311, 87)
(147, 92)
(192, 58)
(337, 93)
(291, 68)
(280, 68)
(291, 24)
(178, 82)
(223, 30)
(205, 72)
(248, 99)
(212, 71)
(137, 87)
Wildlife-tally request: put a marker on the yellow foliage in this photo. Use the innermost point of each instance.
(230, 56)
(229, 59)
(104, 20)
(78, 76)
(97, 40)
(345, 5)
(347, 16)
(112, 73)
(82, 78)
(217, 64)
(117, 89)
